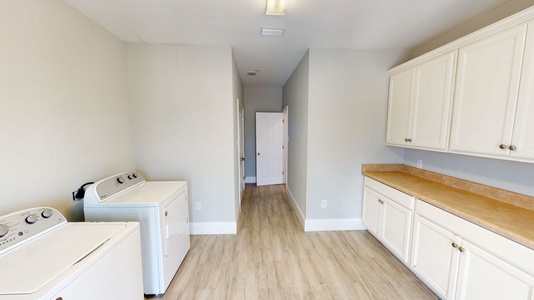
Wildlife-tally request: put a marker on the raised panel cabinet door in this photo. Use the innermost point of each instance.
(396, 229)
(523, 139)
(399, 107)
(486, 92)
(434, 258)
(269, 148)
(484, 276)
(371, 211)
(432, 102)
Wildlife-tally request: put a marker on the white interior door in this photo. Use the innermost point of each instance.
(269, 148)
(240, 150)
(242, 147)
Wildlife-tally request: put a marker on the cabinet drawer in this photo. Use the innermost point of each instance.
(391, 193)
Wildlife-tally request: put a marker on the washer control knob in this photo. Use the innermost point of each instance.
(130, 177)
(47, 213)
(3, 230)
(134, 175)
(31, 219)
(120, 180)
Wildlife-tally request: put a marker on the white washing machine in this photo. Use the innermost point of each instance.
(161, 208)
(42, 256)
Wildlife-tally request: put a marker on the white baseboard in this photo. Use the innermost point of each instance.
(293, 203)
(333, 224)
(200, 228)
(250, 179)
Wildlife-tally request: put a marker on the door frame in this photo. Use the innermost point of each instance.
(285, 112)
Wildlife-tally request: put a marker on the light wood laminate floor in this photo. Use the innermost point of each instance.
(271, 257)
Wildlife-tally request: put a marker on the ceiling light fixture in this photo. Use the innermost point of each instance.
(276, 7)
(276, 32)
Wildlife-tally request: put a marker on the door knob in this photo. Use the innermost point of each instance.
(512, 147)
(502, 146)
(242, 159)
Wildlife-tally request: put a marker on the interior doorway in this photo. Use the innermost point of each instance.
(270, 158)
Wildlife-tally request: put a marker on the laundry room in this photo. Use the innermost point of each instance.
(82, 99)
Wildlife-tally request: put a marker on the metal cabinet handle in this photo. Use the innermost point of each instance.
(454, 245)
(502, 146)
(380, 201)
(408, 140)
(512, 147)
(461, 249)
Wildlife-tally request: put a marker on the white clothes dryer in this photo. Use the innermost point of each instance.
(42, 256)
(161, 208)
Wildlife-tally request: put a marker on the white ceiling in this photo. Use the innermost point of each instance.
(348, 24)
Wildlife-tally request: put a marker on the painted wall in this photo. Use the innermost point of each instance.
(64, 117)
(347, 108)
(509, 8)
(183, 122)
(295, 96)
(513, 176)
(257, 99)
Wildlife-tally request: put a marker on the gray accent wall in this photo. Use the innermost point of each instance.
(257, 99)
(509, 175)
(509, 8)
(183, 101)
(65, 113)
(337, 121)
(295, 97)
(347, 109)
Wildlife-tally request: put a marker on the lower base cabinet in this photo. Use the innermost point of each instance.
(388, 215)
(454, 267)
(453, 257)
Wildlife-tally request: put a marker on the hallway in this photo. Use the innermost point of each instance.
(272, 258)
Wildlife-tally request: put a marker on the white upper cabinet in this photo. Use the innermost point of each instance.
(523, 137)
(420, 104)
(487, 89)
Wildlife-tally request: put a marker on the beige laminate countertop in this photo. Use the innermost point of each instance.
(513, 222)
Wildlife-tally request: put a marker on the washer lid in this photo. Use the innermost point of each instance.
(148, 193)
(31, 266)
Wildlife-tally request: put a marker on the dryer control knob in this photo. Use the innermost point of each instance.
(31, 219)
(134, 175)
(3, 230)
(120, 180)
(47, 213)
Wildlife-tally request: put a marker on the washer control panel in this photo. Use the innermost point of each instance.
(116, 184)
(24, 224)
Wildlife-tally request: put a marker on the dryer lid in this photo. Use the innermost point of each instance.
(148, 193)
(31, 266)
